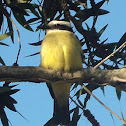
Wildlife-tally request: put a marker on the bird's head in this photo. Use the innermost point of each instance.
(56, 25)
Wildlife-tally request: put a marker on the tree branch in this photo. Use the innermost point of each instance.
(38, 74)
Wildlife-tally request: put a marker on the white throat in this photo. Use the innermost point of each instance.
(55, 30)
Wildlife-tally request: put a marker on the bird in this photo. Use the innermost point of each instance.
(60, 51)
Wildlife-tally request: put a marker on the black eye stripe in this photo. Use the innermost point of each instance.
(60, 27)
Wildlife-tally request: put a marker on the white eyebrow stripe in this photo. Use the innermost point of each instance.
(54, 22)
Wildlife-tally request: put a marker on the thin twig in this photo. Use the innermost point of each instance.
(8, 16)
(104, 105)
(76, 103)
(110, 55)
(19, 42)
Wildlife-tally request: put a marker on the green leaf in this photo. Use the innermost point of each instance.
(88, 28)
(80, 91)
(21, 19)
(92, 2)
(12, 91)
(3, 44)
(103, 90)
(83, 14)
(90, 117)
(1, 61)
(86, 13)
(3, 117)
(122, 115)
(80, 103)
(118, 93)
(32, 20)
(5, 35)
(49, 123)
(101, 12)
(10, 29)
(86, 100)
(122, 40)
(98, 5)
(13, 85)
(104, 41)
(76, 112)
(34, 12)
(74, 86)
(51, 7)
(10, 105)
(94, 11)
(72, 110)
(33, 54)
(74, 6)
(1, 19)
(112, 118)
(12, 100)
(75, 117)
(102, 30)
(7, 101)
(27, 5)
(18, 9)
(4, 89)
(36, 43)
(91, 87)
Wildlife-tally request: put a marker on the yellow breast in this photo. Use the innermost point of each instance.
(61, 51)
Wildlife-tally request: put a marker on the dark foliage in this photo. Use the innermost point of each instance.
(76, 11)
(7, 101)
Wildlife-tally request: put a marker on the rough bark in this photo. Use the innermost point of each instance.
(38, 74)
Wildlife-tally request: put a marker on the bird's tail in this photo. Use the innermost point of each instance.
(61, 114)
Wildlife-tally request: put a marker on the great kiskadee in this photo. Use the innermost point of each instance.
(60, 51)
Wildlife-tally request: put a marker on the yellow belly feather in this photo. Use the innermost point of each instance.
(61, 51)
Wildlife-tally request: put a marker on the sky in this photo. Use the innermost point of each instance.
(34, 100)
